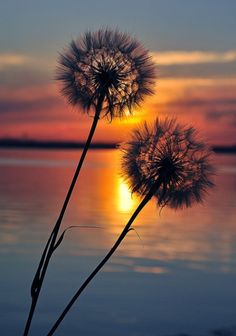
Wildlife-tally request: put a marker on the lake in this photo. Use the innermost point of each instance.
(175, 274)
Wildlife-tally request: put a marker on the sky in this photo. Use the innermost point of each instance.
(193, 44)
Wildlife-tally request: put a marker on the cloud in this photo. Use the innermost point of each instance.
(201, 102)
(18, 106)
(230, 116)
(36, 109)
(167, 58)
(9, 60)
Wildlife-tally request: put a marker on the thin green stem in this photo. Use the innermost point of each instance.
(106, 258)
(49, 248)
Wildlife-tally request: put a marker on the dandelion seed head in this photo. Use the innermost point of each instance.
(106, 63)
(171, 157)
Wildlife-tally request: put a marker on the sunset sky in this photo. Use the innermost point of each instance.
(192, 42)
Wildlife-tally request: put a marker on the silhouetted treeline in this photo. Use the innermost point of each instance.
(224, 149)
(43, 144)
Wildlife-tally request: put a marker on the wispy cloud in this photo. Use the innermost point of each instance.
(167, 58)
(18, 106)
(9, 60)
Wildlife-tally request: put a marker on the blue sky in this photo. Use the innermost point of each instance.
(164, 25)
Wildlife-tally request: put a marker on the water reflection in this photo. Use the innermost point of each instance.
(188, 254)
(126, 203)
(204, 236)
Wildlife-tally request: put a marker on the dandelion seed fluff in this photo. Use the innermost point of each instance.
(106, 63)
(171, 154)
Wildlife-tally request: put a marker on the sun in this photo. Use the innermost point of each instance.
(133, 118)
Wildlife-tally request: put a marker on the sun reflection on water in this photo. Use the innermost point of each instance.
(125, 201)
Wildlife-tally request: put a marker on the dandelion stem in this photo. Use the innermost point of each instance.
(107, 257)
(49, 248)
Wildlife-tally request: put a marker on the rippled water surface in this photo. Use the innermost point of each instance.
(175, 274)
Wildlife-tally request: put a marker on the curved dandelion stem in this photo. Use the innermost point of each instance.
(50, 245)
(107, 257)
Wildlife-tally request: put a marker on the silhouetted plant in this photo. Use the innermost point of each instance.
(172, 154)
(103, 72)
(106, 69)
(166, 161)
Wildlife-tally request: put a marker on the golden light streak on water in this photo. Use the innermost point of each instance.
(125, 201)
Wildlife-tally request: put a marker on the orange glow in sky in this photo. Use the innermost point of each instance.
(39, 112)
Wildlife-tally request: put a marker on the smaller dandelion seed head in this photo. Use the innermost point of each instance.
(170, 158)
(106, 64)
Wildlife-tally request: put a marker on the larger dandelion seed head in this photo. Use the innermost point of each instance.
(168, 160)
(106, 65)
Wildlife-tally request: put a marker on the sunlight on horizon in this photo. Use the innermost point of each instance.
(204, 97)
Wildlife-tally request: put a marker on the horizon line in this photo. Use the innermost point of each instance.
(72, 144)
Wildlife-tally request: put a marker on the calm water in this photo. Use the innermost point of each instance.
(178, 277)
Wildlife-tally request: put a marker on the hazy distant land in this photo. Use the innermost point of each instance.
(45, 144)
(51, 144)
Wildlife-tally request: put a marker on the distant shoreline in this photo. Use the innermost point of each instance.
(40, 144)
